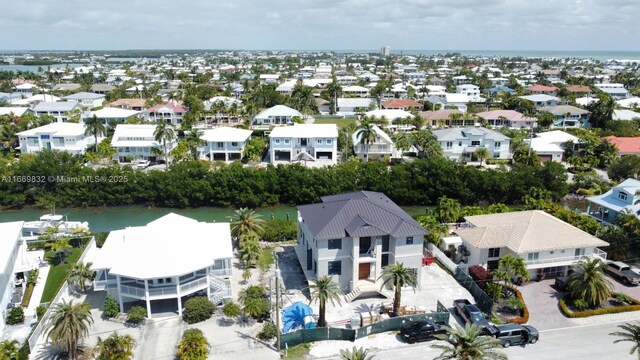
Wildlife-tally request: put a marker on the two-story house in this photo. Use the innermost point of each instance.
(115, 115)
(352, 237)
(224, 143)
(547, 244)
(59, 110)
(69, 137)
(379, 148)
(624, 197)
(460, 144)
(568, 116)
(164, 262)
(354, 106)
(86, 99)
(551, 145)
(171, 112)
(472, 91)
(304, 142)
(137, 142)
(542, 89)
(541, 100)
(508, 118)
(276, 115)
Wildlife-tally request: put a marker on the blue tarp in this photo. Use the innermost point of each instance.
(293, 317)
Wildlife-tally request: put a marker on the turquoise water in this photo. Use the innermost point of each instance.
(34, 68)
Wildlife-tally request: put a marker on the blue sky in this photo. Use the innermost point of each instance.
(321, 24)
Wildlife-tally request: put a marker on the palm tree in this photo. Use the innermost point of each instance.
(631, 333)
(163, 133)
(302, 98)
(193, 140)
(468, 344)
(427, 143)
(588, 282)
(193, 346)
(483, 154)
(115, 347)
(68, 325)
(367, 134)
(325, 289)
(95, 127)
(249, 251)
(449, 210)
(245, 221)
(355, 354)
(513, 268)
(9, 136)
(9, 350)
(402, 142)
(80, 273)
(397, 275)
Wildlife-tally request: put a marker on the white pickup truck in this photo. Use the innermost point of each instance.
(623, 272)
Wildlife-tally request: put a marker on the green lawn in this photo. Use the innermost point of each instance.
(298, 352)
(57, 276)
(340, 122)
(266, 259)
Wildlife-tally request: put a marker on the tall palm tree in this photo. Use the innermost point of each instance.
(163, 133)
(245, 221)
(402, 142)
(115, 347)
(68, 325)
(367, 134)
(95, 127)
(588, 283)
(355, 354)
(79, 274)
(427, 142)
(193, 140)
(631, 333)
(398, 276)
(302, 99)
(249, 251)
(468, 344)
(513, 268)
(483, 154)
(325, 289)
(449, 210)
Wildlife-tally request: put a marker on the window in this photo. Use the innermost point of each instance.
(385, 243)
(579, 252)
(622, 196)
(220, 144)
(449, 144)
(335, 244)
(329, 141)
(459, 143)
(44, 137)
(286, 141)
(319, 141)
(532, 256)
(234, 144)
(475, 143)
(384, 260)
(334, 267)
(277, 141)
(409, 240)
(160, 281)
(498, 145)
(494, 252)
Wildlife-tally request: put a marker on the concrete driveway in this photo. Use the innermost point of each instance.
(160, 339)
(542, 299)
(629, 290)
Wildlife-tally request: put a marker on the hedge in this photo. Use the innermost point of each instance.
(612, 310)
(525, 311)
(27, 295)
(198, 309)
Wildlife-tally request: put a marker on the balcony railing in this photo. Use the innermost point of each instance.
(596, 253)
(169, 290)
(221, 272)
(195, 284)
(132, 290)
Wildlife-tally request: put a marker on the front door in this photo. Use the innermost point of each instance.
(363, 270)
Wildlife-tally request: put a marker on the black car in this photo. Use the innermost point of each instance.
(421, 330)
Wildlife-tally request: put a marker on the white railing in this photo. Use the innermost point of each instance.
(221, 272)
(444, 259)
(596, 253)
(170, 290)
(132, 290)
(195, 284)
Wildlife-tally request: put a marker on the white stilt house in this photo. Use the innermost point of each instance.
(164, 263)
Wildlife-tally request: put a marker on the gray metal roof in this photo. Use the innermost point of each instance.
(357, 214)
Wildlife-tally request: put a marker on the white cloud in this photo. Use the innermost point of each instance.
(326, 24)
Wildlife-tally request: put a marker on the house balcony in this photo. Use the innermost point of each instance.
(564, 261)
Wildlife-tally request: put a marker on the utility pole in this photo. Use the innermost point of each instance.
(278, 309)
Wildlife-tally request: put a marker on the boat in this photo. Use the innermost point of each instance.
(35, 228)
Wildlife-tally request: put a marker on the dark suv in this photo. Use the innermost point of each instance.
(514, 334)
(421, 330)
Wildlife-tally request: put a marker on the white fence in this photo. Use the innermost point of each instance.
(64, 293)
(444, 259)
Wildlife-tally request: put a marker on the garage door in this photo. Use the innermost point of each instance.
(545, 158)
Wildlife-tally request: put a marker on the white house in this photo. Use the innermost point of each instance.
(568, 116)
(472, 91)
(624, 197)
(550, 145)
(379, 148)
(314, 142)
(353, 106)
(171, 112)
(541, 100)
(69, 137)
(224, 143)
(616, 91)
(352, 237)
(59, 110)
(34, 100)
(460, 144)
(136, 142)
(114, 114)
(164, 263)
(15, 110)
(450, 100)
(356, 90)
(86, 100)
(390, 115)
(547, 244)
(276, 115)
(508, 118)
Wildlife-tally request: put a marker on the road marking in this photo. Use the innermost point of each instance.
(590, 325)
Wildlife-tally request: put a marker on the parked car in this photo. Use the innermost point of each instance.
(561, 283)
(140, 164)
(515, 334)
(421, 330)
(623, 272)
(471, 314)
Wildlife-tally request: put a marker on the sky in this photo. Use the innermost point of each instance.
(321, 24)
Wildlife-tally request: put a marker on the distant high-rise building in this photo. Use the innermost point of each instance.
(386, 50)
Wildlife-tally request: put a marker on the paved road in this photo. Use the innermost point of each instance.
(584, 342)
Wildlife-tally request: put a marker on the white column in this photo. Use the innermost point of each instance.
(378, 258)
(179, 297)
(356, 255)
(208, 283)
(146, 297)
(119, 294)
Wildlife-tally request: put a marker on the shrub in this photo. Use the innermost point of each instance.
(111, 308)
(198, 309)
(268, 332)
(231, 309)
(136, 315)
(40, 310)
(580, 305)
(32, 276)
(611, 310)
(16, 316)
(524, 311)
(27, 295)
(193, 346)
(479, 274)
(280, 230)
(256, 308)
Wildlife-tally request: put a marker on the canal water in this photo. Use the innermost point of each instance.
(113, 218)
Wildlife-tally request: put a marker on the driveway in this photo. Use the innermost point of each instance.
(160, 339)
(542, 299)
(629, 290)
